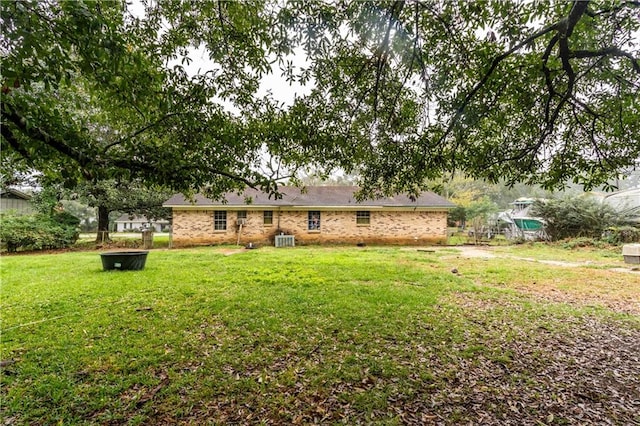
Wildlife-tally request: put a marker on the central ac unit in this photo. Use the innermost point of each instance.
(285, 241)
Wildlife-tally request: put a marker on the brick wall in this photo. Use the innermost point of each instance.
(192, 227)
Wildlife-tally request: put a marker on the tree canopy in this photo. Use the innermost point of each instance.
(398, 91)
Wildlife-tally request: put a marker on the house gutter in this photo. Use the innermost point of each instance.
(279, 211)
(282, 208)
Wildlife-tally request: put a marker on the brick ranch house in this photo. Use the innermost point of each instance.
(319, 214)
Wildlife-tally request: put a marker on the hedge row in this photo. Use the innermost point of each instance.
(38, 231)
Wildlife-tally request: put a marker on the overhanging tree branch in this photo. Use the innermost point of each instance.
(140, 131)
(565, 29)
(547, 75)
(89, 165)
(607, 51)
(620, 6)
(8, 135)
(494, 64)
(35, 133)
(382, 55)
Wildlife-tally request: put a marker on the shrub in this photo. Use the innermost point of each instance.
(456, 216)
(66, 219)
(622, 235)
(582, 242)
(37, 231)
(576, 217)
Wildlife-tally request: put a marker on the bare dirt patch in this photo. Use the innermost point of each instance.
(617, 289)
(229, 252)
(488, 253)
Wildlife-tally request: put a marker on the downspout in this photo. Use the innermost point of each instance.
(279, 209)
(171, 229)
(239, 233)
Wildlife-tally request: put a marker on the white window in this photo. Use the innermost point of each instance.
(363, 217)
(267, 218)
(313, 220)
(220, 220)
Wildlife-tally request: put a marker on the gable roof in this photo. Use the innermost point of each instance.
(14, 193)
(311, 196)
(627, 201)
(125, 217)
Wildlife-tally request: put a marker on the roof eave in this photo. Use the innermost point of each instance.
(299, 207)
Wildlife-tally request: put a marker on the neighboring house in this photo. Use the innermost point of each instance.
(133, 223)
(626, 202)
(319, 214)
(12, 199)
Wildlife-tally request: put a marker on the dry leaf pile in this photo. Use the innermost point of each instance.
(585, 372)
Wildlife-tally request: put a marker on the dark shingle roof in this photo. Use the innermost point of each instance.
(311, 196)
(126, 217)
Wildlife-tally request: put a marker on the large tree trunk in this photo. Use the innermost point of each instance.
(103, 225)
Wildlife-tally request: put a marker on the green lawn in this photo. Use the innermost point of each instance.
(317, 335)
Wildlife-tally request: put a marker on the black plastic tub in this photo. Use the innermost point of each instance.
(124, 260)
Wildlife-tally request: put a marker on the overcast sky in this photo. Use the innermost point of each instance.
(273, 83)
